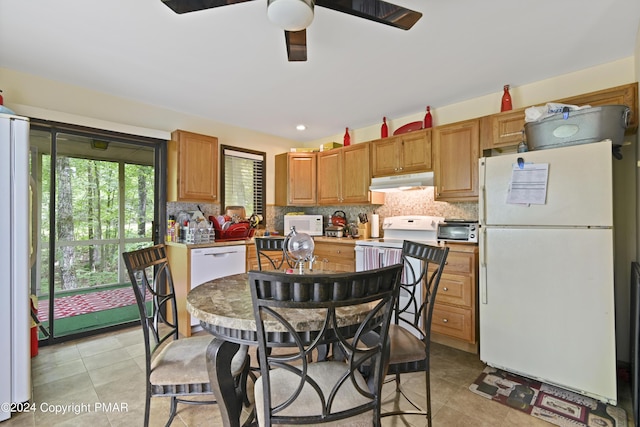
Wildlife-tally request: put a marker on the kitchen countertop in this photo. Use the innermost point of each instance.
(458, 247)
(210, 244)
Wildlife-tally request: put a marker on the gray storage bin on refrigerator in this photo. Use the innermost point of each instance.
(579, 127)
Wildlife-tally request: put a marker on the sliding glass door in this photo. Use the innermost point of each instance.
(94, 196)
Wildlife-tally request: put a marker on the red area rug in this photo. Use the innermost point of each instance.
(75, 305)
(552, 404)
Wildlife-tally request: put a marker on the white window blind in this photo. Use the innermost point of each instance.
(244, 180)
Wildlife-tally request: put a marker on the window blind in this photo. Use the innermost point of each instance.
(244, 180)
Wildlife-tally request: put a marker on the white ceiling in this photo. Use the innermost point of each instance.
(229, 63)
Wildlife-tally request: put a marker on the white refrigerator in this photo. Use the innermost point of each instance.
(15, 321)
(546, 267)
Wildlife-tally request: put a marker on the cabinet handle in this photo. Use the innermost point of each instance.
(445, 289)
(445, 320)
(338, 251)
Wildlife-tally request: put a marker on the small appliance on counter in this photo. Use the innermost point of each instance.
(309, 224)
(334, 231)
(458, 230)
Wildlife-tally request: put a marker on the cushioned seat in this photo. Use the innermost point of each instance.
(299, 313)
(410, 330)
(326, 374)
(183, 364)
(175, 368)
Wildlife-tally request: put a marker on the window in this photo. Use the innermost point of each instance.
(243, 179)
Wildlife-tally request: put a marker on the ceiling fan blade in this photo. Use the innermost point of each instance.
(184, 6)
(296, 45)
(375, 10)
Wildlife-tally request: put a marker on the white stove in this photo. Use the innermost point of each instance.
(376, 253)
(396, 229)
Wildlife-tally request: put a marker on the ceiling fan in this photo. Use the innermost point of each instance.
(294, 16)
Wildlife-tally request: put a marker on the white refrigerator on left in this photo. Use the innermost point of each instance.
(15, 353)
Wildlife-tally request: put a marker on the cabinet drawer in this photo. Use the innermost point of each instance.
(454, 289)
(346, 252)
(457, 263)
(452, 321)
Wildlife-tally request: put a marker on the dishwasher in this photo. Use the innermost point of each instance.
(216, 261)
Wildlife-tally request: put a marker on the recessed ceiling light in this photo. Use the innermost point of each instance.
(301, 127)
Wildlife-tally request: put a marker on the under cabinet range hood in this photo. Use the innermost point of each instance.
(411, 181)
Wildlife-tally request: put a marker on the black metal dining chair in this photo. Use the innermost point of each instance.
(410, 329)
(175, 367)
(272, 254)
(344, 309)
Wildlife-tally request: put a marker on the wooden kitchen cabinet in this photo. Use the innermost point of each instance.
(180, 261)
(344, 175)
(401, 154)
(296, 179)
(336, 254)
(619, 95)
(252, 257)
(456, 149)
(455, 313)
(502, 130)
(192, 172)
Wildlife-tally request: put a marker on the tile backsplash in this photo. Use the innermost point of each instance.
(414, 202)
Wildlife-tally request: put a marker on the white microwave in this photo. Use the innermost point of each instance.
(309, 224)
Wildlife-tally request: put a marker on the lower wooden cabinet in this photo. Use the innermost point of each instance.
(332, 254)
(252, 257)
(336, 255)
(455, 313)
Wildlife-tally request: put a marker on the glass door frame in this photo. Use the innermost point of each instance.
(158, 232)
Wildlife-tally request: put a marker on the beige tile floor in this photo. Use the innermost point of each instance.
(108, 370)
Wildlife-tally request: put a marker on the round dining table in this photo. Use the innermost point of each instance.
(225, 309)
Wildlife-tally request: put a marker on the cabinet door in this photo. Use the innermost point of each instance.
(504, 130)
(302, 179)
(330, 166)
(619, 95)
(415, 151)
(336, 257)
(356, 173)
(456, 149)
(193, 167)
(384, 157)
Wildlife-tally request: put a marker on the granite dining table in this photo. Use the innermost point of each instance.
(225, 309)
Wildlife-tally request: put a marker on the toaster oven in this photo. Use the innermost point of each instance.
(458, 231)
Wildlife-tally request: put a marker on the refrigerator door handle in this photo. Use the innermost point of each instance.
(483, 194)
(483, 266)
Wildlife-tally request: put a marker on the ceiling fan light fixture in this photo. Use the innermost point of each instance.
(291, 15)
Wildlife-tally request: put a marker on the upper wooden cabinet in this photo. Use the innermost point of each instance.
(504, 130)
(400, 154)
(456, 149)
(295, 179)
(192, 173)
(619, 95)
(344, 175)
